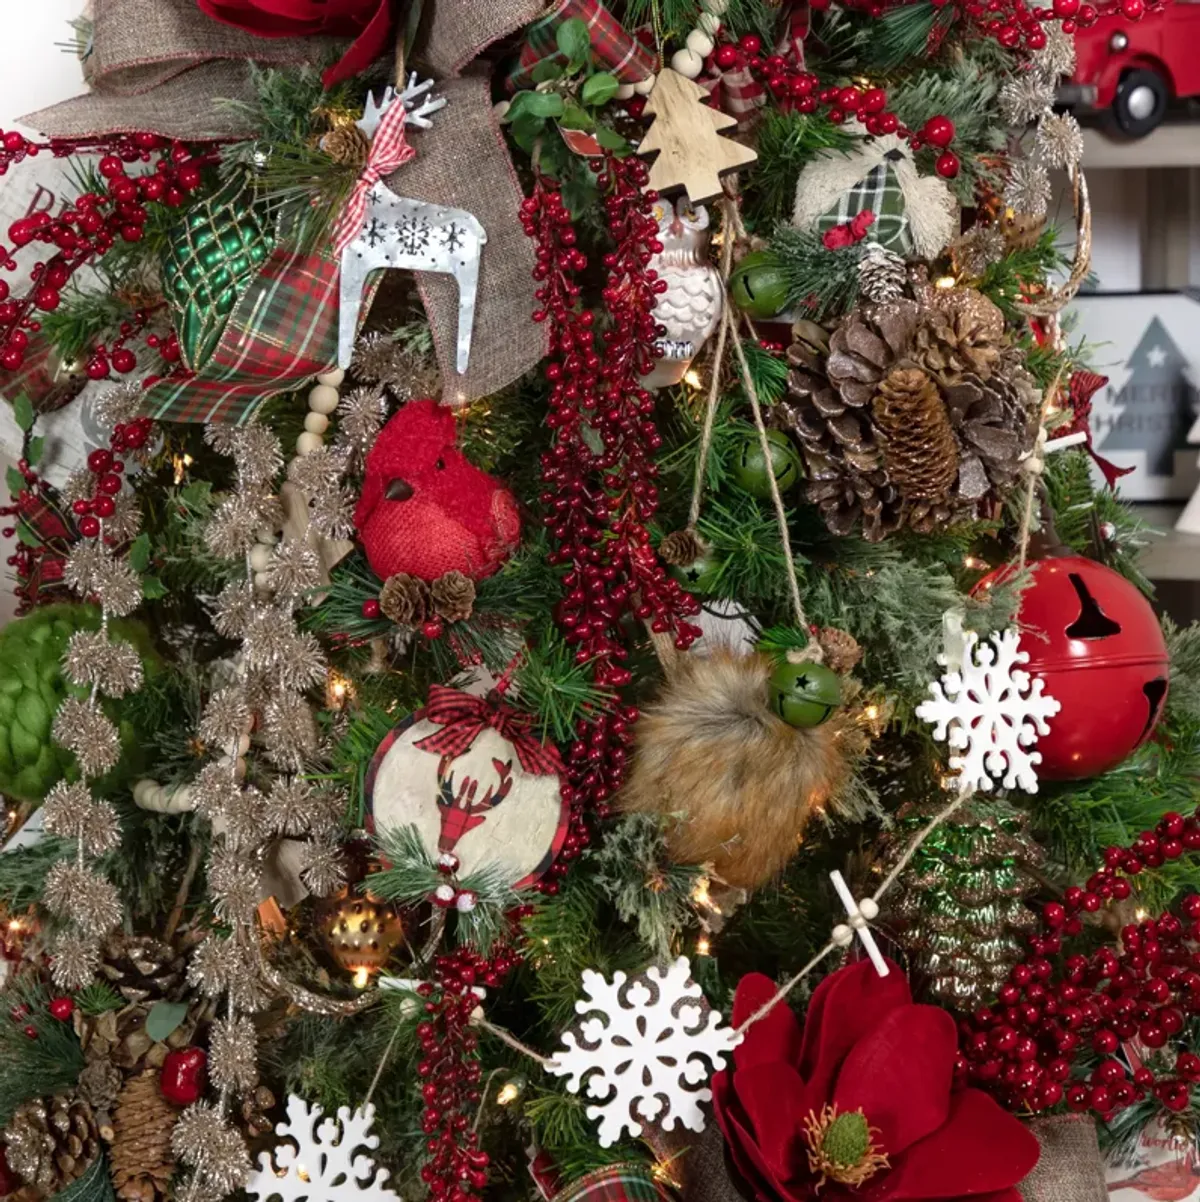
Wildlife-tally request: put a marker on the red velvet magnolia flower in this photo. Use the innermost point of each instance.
(861, 1104)
(369, 22)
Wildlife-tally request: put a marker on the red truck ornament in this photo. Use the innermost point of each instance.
(1136, 68)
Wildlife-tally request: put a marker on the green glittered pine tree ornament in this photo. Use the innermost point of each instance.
(214, 251)
(959, 909)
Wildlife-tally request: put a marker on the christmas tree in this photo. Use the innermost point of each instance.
(441, 766)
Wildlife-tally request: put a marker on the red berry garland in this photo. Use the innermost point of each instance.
(1023, 1049)
(449, 1069)
(599, 502)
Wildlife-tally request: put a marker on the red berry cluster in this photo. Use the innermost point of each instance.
(88, 230)
(456, 1170)
(117, 357)
(1025, 1047)
(598, 502)
(106, 471)
(797, 89)
(15, 147)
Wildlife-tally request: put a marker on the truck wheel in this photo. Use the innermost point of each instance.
(1141, 102)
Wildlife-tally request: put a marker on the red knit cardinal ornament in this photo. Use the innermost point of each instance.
(425, 509)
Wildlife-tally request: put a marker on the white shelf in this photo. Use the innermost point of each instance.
(1169, 555)
(1174, 144)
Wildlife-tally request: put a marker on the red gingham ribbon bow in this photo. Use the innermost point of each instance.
(463, 718)
(389, 150)
(1084, 385)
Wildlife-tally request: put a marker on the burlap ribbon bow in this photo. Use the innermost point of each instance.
(163, 66)
(463, 718)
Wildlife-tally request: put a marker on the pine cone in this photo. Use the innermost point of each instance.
(453, 596)
(1022, 230)
(995, 420)
(140, 1159)
(348, 145)
(953, 342)
(845, 476)
(99, 1085)
(680, 548)
(919, 447)
(404, 599)
(143, 969)
(881, 274)
(840, 648)
(256, 1112)
(865, 346)
(50, 1142)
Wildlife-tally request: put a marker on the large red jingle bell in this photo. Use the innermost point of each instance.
(1096, 642)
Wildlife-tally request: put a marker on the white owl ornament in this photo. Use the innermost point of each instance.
(691, 306)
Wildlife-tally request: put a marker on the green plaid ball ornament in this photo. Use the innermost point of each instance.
(214, 253)
(878, 192)
(916, 215)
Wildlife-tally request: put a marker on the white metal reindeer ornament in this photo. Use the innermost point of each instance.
(379, 229)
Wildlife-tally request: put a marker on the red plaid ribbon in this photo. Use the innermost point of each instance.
(282, 332)
(464, 718)
(612, 44)
(1084, 385)
(737, 92)
(389, 150)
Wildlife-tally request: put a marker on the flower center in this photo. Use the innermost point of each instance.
(842, 1147)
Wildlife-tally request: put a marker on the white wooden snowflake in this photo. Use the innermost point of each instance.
(323, 1166)
(990, 712)
(643, 1052)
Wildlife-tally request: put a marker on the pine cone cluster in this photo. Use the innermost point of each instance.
(910, 413)
(49, 1142)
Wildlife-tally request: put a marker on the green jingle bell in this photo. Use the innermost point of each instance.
(803, 694)
(757, 285)
(750, 466)
(699, 576)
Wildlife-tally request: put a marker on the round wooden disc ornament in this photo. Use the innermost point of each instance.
(469, 774)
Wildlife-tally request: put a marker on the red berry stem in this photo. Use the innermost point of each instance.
(1054, 1035)
(599, 501)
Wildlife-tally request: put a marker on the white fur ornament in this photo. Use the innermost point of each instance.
(930, 211)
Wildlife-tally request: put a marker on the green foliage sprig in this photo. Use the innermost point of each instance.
(787, 143)
(37, 1066)
(821, 281)
(648, 890)
(412, 877)
(1008, 281)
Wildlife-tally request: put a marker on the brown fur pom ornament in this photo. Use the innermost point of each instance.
(736, 783)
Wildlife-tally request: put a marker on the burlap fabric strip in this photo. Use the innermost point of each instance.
(161, 65)
(1070, 1168)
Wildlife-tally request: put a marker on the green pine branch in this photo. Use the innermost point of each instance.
(823, 282)
(787, 142)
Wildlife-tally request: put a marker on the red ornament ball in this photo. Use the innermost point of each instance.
(727, 57)
(938, 131)
(371, 609)
(1096, 642)
(89, 526)
(62, 1008)
(124, 361)
(947, 164)
(184, 1072)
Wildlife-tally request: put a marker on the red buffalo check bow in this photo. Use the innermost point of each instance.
(389, 150)
(464, 718)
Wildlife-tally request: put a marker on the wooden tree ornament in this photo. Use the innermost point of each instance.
(686, 133)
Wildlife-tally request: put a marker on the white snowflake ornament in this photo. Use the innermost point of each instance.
(990, 712)
(643, 1053)
(323, 1167)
